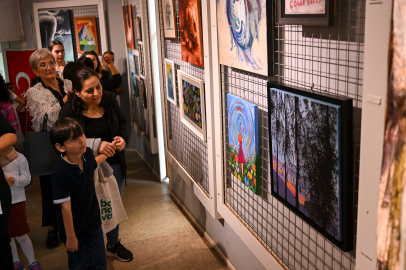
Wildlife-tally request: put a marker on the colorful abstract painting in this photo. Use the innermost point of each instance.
(243, 141)
(170, 81)
(391, 221)
(190, 26)
(86, 35)
(242, 35)
(131, 63)
(56, 25)
(128, 26)
(192, 103)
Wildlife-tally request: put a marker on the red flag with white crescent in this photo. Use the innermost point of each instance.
(21, 75)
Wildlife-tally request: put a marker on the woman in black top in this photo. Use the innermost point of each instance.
(100, 116)
(7, 139)
(110, 82)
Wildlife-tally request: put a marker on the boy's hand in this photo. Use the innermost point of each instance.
(10, 181)
(120, 143)
(72, 244)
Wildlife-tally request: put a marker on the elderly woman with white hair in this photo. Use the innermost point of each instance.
(47, 96)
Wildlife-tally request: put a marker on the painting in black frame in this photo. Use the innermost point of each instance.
(310, 137)
(305, 12)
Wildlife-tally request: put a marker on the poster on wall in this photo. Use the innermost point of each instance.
(245, 35)
(169, 19)
(190, 26)
(311, 155)
(86, 35)
(391, 225)
(128, 26)
(243, 141)
(141, 60)
(192, 103)
(301, 12)
(170, 81)
(134, 88)
(56, 25)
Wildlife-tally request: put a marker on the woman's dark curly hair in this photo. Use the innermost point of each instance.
(5, 94)
(78, 78)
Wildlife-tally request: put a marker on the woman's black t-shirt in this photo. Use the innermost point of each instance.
(100, 128)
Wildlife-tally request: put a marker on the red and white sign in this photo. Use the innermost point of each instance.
(21, 75)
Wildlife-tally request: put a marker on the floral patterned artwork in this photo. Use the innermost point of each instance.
(243, 141)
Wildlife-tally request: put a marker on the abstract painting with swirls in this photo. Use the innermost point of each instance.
(242, 34)
(243, 141)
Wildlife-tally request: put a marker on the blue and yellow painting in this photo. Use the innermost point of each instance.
(169, 76)
(134, 88)
(243, 141)
(192, 106)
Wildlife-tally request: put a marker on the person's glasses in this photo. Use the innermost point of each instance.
(44, 65)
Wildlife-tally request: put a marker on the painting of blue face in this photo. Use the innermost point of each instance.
(243, 141)
(243, 34)
(170, 81)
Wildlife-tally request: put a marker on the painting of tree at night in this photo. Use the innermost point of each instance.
(243, 141)
(306, 154)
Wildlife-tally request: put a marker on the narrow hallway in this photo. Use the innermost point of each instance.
(157, 231)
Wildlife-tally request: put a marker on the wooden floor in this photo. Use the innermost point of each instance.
(157, 232)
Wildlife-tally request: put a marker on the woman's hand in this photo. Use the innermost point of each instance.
(10, 181)
(107, 148)
(107, 59)
(120, 143)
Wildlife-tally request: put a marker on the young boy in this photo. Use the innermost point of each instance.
(73, 189)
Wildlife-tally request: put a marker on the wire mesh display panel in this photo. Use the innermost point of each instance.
(189, 150)
(141, 114)
(80, 11)
(325, 59)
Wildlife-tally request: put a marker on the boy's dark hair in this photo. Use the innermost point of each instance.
(71, 68)
(65, 128)
(9, 86)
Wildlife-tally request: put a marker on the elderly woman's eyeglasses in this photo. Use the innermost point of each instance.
(44, 65)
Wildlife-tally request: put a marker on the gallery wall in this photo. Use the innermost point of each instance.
(320, 59)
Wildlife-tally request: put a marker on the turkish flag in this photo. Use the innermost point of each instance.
(21, 75)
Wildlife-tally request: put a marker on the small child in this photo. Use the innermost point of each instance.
(73, 189)
(18, 176)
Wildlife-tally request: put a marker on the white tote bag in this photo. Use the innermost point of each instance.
(112, 210)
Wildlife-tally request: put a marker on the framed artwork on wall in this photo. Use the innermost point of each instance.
(86, 35)
(56, 25)
(245, 35)
(128, 26)
(134, 88)
(170, 81)
(138, 31)
(169, 19)
(304, 12)
(192, 103)
(311, 151)
(142, 92)
(243, 141)
(141, 60)
(131, 63)
(190, 26)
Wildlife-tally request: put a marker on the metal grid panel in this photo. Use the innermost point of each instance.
(81, 11)
(332, 62)
(140, 114)
(189, 150)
